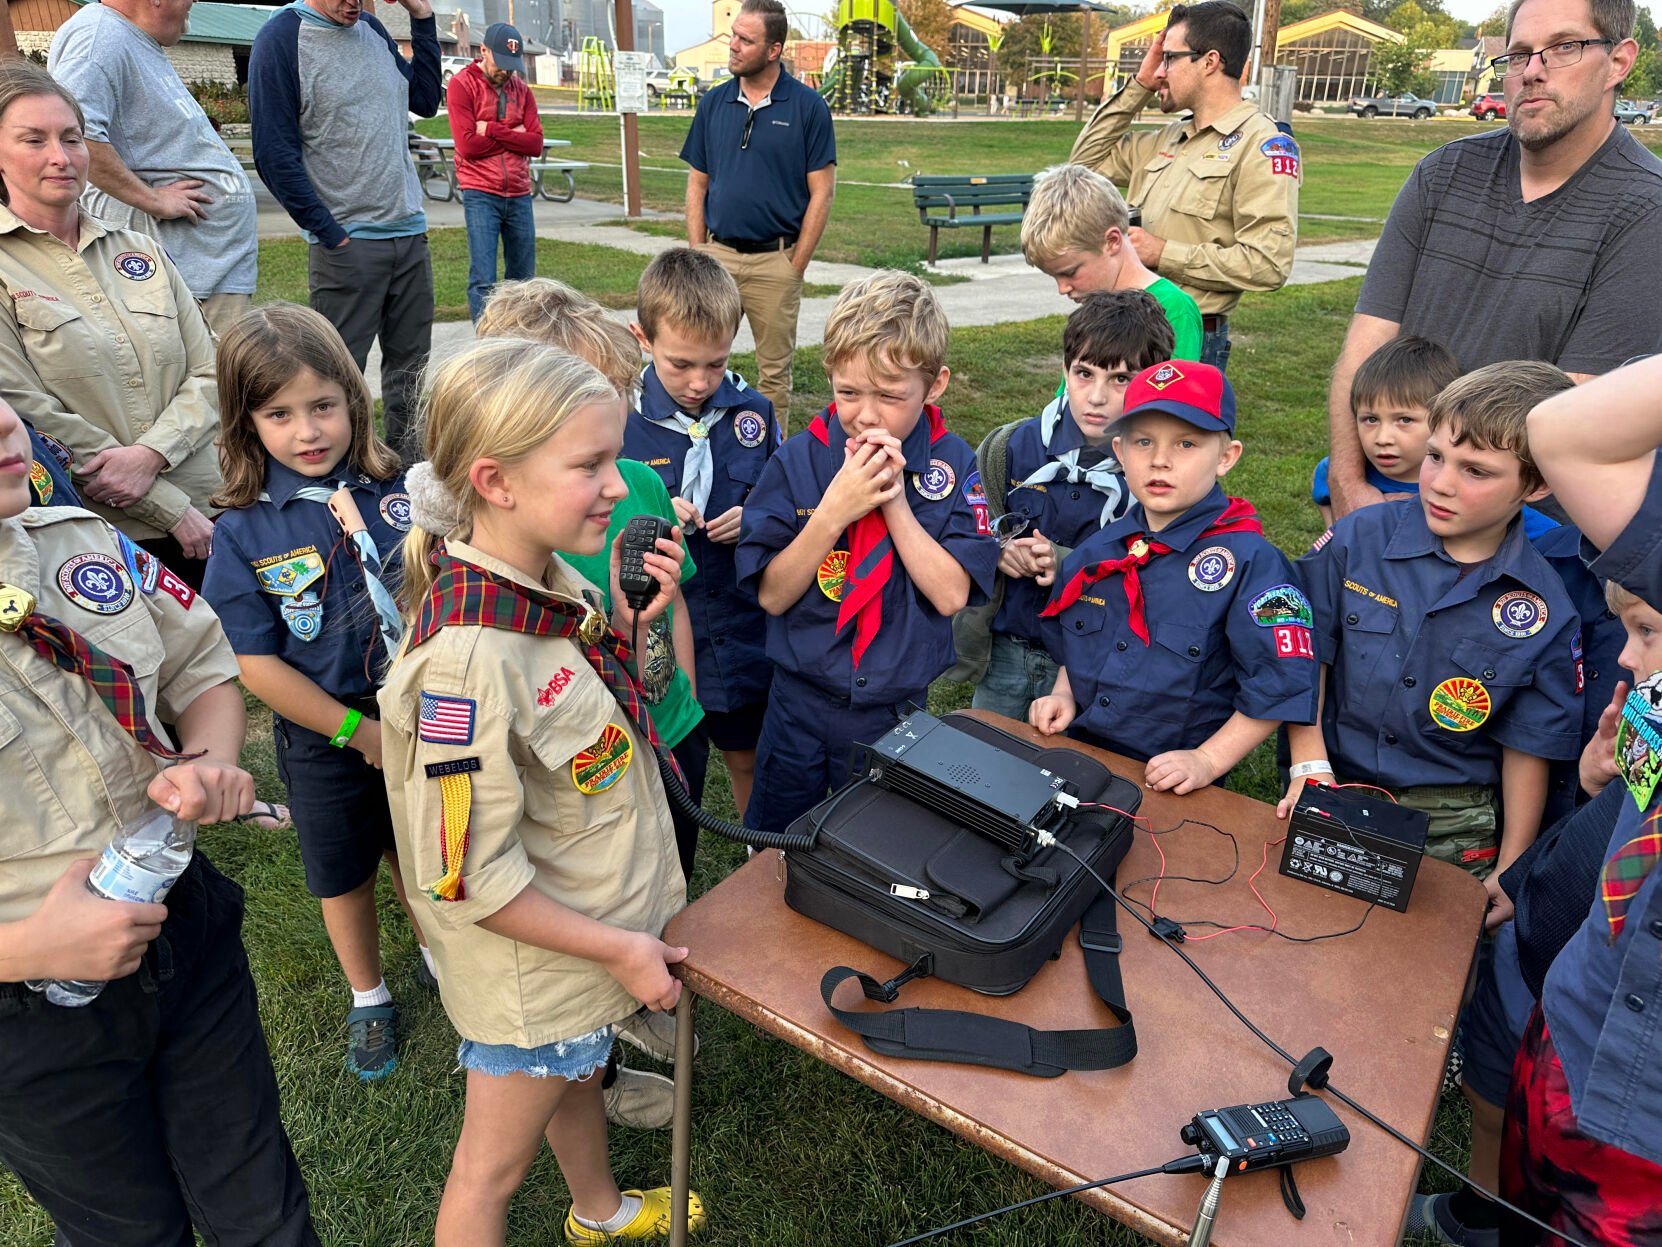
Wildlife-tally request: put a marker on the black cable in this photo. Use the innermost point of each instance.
(1362, 1112)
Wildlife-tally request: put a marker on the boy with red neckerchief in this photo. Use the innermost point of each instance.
(1184, 636)
(866, 533)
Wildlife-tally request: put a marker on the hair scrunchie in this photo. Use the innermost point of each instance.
(433, 508)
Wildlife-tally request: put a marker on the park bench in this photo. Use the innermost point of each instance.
(959, 202)
(542, 172)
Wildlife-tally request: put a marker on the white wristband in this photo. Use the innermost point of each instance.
(1302, 770)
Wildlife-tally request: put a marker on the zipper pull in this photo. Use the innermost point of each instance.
(910, 893)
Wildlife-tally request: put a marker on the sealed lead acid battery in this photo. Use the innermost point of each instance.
(1355, 841)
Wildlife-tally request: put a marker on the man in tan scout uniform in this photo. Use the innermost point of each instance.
(1219, 192)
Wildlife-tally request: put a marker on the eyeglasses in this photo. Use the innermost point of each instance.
(744, 135)
(1010, 525)
(1167, 58)
(1558, 56)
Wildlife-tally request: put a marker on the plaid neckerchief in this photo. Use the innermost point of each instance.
(1624, 874)
(1237, 517)
(465, 595)
(67, 649)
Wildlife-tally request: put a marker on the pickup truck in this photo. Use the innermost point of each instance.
(1409, 105)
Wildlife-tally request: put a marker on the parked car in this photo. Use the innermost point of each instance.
(1489, 105)
(1634, 112)
(1408, 105)
(450, 66)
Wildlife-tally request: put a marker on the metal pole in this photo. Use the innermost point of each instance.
(680, 1139)
(1257, 39)
(625, 36)
(1084, 69)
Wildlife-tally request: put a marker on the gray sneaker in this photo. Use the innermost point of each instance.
(637, 1098)
(372, 1041)
(654, 1034)
(1431, 1216)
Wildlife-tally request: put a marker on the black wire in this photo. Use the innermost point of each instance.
(1027, 1203)
(1358, 1109)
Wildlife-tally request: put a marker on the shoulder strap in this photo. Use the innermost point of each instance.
(976, 1039)
(993, 457)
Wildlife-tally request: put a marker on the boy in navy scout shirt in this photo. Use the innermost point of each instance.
(1053, 481)
(708, 435)
(1454, 654)
(1182, 633)
(866, 533)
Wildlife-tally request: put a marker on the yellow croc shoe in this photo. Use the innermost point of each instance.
(652, 1221)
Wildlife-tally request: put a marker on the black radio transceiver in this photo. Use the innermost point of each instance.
(640, 538)
(1262, 1136)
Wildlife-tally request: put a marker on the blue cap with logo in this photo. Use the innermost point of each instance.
(507, 47)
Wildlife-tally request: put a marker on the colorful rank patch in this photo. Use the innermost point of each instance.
(1460, 704)
(555, 686)
(975, 493)
(603, 763)
(750, 429)
(1212, 569)
(936, 481)
(40, 480)
(145, 568)
(1639, 740)
(1321, 541)
(287, 574)
(395, 510)
(1519, 613)
(833, 575)
(1282, 604)
(1166, 374)
(1292, 641)
(136, 265)
(1283, 154)
(96, 583)
(302, 614)
(446, 720)
(1229, 140)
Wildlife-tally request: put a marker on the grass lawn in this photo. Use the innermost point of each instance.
(785, 1151)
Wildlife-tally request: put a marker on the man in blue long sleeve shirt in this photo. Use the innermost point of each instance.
(329, 94)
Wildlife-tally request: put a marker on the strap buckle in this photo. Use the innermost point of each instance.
(888, 993)
(1110, 942)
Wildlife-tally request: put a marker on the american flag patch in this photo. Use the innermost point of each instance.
(446, 720)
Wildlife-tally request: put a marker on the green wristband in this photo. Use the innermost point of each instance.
(348, 726)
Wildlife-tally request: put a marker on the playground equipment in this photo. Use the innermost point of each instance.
(596, 83)
(866, 77)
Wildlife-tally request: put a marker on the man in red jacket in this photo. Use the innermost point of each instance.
(493, 118)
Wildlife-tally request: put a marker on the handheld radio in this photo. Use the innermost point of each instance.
(1263, 1136)
(640, 538)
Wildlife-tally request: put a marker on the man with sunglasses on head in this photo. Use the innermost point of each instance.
(1218, 191)
(1539, 241)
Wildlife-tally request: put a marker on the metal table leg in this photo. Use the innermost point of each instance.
(680, 1146)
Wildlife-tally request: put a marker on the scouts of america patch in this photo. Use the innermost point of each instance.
(750, 429)
(936, 481)
(833, 574)
(40, 480)
(603, 763)
(1519, 613)
(136, 265)
(288, 574)
(1639, 740)
(1283, 154)
(1212, 569)
(1460, 704)
(1282, 605)
(97, 583)
(395, 510)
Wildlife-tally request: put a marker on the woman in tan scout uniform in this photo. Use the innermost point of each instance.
(153, 1109)
(531, 822)
(101, 344)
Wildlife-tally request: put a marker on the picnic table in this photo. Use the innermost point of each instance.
(435, 161)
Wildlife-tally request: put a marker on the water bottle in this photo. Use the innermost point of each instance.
(142, 863)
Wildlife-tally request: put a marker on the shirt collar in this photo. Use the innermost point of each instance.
(914, 446)
(1413, 538)
(1181, 533)
(1068, 435)
(656, 404)
(563, 581)
(282, 483)
(1229, 122)
(92, 228)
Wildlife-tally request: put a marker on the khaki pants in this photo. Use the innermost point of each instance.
(771, 291)
(221, 311)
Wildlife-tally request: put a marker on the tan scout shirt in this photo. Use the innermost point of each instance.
(70, 774)
(548, 811)
(1226, 206)
(105, 347)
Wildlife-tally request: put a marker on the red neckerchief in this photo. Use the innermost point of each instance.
(870, 552)
(1237, 517)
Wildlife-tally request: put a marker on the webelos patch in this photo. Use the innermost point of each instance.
(288, 574)
(1166, 374)
(1212, 569)
(1280, 606)
(936, 481)
(603, 763)
(97, 583)
(40, 480)
(395, 510)
(1460, 704)
(833, 575)
(976, 495)
(1639, 740)
(1282, 153)
(136, 265)
(1519, 613)
(750, 429)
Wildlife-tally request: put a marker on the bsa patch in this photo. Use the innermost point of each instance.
(603, 763)
(136, 265)
(1282, 604)
(976, 495)
(1229, 140)
(395, 510)
(750, 429)
(145, 568)
(1292, 641)
(287, 574)
(1212, 569)
(833, 574)
(446, 720)
(1639, 740)
(303, 613)
(935, 482)
(1519, 613)
(97, 583)
(40, 480)
(1283, 154)
(1165, 376)
(1460, 704)
(60, 452)
(556, 686)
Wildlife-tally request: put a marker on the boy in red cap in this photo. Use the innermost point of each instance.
(1184, 636)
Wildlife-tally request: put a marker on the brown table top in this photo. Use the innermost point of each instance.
(1383, 1001)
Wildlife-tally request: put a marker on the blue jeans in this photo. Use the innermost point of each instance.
(1018, 672)
(1214, 345)
(489, 217)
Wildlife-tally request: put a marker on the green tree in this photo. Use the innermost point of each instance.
(1644, 80)
(1644, 29)
(1396, 66)
(1426, 24)
(1297, 10)
(1031, 43)
(930, 21)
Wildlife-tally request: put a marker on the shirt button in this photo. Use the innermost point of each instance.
(97, 298)
(860, 681)
(1488, 673)
(1194, 651)
(1635, 1002)
(1074, 495)
(121, 337)
(1119, 645)
(1593, 675)
(1409, 681)
(1352, 618)
(1079, 625)
(713, 592)
(1102, 701)
(1390, 739)
(1431, 614)
(134, 382)
(1656, 928)
(721, 640)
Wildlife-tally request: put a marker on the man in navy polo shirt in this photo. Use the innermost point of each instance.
(764, 169)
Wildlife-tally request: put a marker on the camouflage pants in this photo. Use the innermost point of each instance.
(1463, 828)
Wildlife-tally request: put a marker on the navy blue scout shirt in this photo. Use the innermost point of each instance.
(1067, 512)
(914, 645)
(49, 481)
(1634, 559)
(285, 580)
(1433, 673)
(729, 629)
(759, 192)
(1228, 626)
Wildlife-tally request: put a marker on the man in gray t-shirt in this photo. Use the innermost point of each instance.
(157, 163)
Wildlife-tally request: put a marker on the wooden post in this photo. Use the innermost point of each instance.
(1084, 68)
(625, 16)
(1266, 36)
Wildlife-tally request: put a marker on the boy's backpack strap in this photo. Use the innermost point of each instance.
(972, 627)
(976, 1039)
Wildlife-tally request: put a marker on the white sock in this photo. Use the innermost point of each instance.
(627, 1212)
(427, 956)
(377, 995)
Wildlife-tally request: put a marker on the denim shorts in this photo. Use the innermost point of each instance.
(571, 1059)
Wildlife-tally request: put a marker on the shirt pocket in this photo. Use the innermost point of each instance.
(1182, 651)
(1480, 681)
(57, 340)
(155, 314)
(29, 784)
(1201, 189)
(586, 754)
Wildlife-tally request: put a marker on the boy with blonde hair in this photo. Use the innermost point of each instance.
(708, 436)
(867, 532)
(1076, 230)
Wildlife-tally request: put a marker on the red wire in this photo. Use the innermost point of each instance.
(1370, 788)
(1252, 882)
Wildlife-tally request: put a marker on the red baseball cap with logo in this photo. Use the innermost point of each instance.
(1196, 393)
